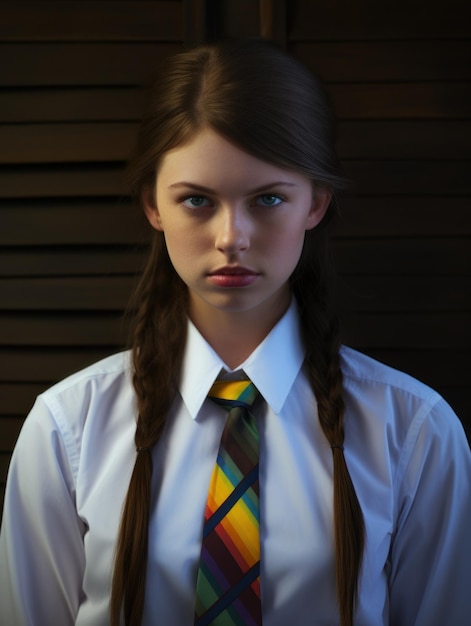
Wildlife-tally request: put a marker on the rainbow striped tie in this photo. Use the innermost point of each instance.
(228, 585)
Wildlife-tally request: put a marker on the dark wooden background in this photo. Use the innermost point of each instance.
(71, 77)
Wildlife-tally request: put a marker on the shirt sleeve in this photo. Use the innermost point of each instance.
(41, 542)
(431, 549)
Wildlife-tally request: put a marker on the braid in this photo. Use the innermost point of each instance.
(159, 338)
(322, 340)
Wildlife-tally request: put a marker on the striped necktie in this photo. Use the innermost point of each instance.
(228, 584)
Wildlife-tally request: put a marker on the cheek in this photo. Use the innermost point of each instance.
(288, 253)
(287, 243)
(184, 248)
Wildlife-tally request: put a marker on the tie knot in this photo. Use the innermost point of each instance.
(234, 393)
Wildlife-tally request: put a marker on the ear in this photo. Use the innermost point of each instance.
(321, 198)
(150, 208)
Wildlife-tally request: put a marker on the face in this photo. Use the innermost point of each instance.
(234, 226)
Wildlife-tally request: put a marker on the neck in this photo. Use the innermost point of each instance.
(234, 336)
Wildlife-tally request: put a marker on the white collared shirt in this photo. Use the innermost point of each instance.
(405, 449)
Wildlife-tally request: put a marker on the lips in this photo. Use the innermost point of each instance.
(233, 276)
(235, 270)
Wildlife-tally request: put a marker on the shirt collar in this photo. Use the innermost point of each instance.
(272, 366)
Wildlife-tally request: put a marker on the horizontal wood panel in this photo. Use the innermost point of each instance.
(389, 216)
(91, 21)
(360, 293)
(408, 257)
(406, 177)
(364, 331)
(108, 141)
(429, 140)
(405, 293)
(369, 19)
(387, 61)
(56, 181)
(61, 64)
(59, 143)
(9, 430)
(70, 261)
(71, 105)
(401, 100)
(409, 331)
(86, 222)
(18, 398)
(59, 330)
(447, 368)
(369, 178)
(62, 294)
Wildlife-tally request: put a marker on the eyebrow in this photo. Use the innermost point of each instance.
(202, 188)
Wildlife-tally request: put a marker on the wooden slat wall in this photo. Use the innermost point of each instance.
(398, 74)
(71, 77)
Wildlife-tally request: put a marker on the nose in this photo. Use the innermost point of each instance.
(232, 231)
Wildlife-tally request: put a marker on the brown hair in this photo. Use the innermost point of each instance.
(268, 104)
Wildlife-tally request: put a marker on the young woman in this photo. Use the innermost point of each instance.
(365, 495)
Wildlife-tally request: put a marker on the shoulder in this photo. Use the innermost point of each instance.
(381, 397)
(82, 415)
(101, 390)
(398, 422)
(114, 367)
(360, 370)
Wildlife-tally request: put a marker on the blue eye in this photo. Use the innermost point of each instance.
(269, 199)
(195, 202)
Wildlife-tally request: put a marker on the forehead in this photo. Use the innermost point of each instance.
(211, 160)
